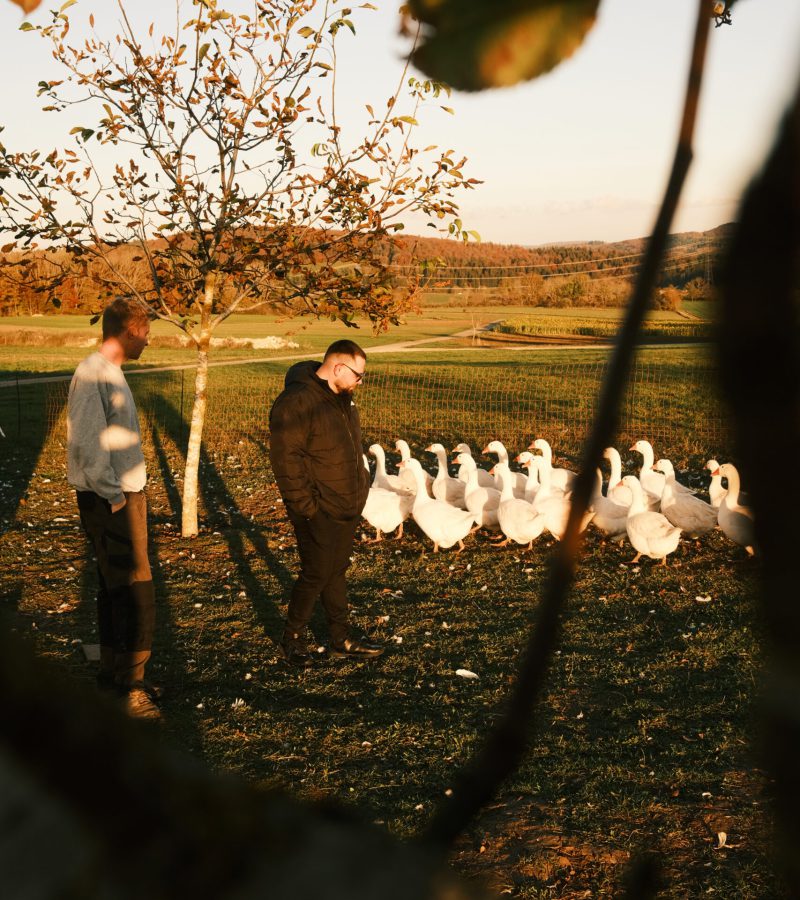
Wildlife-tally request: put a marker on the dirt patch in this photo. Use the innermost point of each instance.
(517, 846)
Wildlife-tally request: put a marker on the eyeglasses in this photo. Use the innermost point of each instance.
(359, 375)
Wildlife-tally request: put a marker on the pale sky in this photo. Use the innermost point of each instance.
(580, 154)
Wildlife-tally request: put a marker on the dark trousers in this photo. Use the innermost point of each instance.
(325, 546)
(126, 597)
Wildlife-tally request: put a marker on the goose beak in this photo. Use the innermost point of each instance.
(716, 472)
(485, 449)
(530, 446)
(429, 449)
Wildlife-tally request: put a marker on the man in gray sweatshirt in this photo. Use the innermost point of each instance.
(106, 467)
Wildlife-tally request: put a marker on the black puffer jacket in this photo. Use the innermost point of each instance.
(315, 447)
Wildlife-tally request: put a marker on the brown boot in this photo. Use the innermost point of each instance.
(138, 703)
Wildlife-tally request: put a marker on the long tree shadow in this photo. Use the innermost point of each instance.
(29, 414)
(223, 510)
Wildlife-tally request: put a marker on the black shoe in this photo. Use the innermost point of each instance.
(107, 684)
(351, 649)
(297, 655)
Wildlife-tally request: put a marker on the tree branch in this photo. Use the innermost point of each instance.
(507, 740)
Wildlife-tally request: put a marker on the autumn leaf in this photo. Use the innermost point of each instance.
(472, 46)
(27, 5)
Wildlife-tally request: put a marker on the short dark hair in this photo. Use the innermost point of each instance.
(345, 348)
(121, 313)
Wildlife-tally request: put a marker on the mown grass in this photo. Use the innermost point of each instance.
(604, 327)
(643, 740)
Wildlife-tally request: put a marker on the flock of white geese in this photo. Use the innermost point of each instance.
(652, 509)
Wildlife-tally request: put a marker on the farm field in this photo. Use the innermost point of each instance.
(703, 309)
(645, 738)
(311, 336)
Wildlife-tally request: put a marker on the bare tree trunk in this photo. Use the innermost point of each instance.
(189, 527)
(190, 474)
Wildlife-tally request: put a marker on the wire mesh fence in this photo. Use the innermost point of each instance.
(675, 407)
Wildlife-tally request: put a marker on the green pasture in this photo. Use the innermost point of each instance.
(703, 309)
(462, 394)
(434, 325)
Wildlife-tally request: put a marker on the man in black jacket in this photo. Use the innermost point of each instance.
(315, 448)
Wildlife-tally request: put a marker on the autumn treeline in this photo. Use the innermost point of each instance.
(691, 256)
(557, 275)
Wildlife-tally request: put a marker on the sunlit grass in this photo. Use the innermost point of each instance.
(641, 740)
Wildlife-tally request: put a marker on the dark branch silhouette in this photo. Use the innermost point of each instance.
(759, 354)
(507, 741)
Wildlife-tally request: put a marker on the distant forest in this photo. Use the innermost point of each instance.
(584, 274)
(474, 273)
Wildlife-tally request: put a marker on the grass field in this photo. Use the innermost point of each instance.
(645, 738)
(313, 336)
(642, 742)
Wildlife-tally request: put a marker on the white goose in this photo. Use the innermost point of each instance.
(610, 516)
(716, 491)
(561, 479)
(653, 481)
(445, 487)
(444, 524)
(517, 518)
(616, 490)
(386, 509)
(482, 502)
(518, 480)
(381, 478)
(650, 480)
(736, 521)
(554, 506)
(406, 476)
(484, 478)
(692, 515)
(528, 461)
(650, 533)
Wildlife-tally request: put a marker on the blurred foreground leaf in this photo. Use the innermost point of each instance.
(475, 45)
